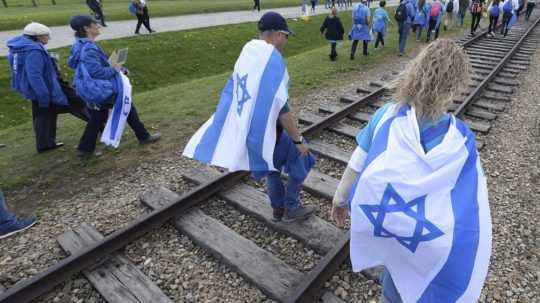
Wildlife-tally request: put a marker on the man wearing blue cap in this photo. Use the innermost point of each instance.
(253, 128)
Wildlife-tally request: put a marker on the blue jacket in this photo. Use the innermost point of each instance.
(33, 72)
(411, 11)
(421, 17)
(95, 60)
(380, 20)
(360, 28)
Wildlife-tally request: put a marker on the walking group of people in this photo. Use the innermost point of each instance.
(415, 16)
(414, 185)
(137, 8)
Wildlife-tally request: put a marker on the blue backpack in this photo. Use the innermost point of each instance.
(132, 8)
(494, 10)
(507, 7)
(92, 91)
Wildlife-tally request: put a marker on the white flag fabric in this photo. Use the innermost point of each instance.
(117, 117)
(241, 134)
(424, 216)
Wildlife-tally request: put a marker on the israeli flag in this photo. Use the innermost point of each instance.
(424, 216)
(118, 116)
(241, 134)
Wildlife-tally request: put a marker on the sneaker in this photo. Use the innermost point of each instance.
(300, 213)
(55, 146)
(83, 155)
(278, 214)
(151, 139)
(17, 226)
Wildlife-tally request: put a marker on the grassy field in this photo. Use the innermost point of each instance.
(20, 12)
(180, 93)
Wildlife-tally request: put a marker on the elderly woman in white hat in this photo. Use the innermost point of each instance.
(34, 74)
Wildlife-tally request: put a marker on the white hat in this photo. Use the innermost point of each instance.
(36, 29)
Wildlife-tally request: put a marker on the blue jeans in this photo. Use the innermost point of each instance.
(404, 29)
(281, 197)
(389, 290)
(6, 218)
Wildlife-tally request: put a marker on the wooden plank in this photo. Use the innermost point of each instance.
(493, 105)
(271, 275)
(314, 232)
(478, 126)
(496, 96)
(117, 279)
(329, 297)
(500, 89)
(345, 130)
(321, 184)
(330, 151)
(481, 113)
(357, 116)
(348, 99)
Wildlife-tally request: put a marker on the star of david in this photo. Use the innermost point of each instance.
(241, 84)
(424, 230)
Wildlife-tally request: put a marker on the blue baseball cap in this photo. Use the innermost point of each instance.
(272, 21)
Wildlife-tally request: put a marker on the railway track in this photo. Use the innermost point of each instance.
(496, 62)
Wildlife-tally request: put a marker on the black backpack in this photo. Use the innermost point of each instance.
(401, 12)
(450, 6)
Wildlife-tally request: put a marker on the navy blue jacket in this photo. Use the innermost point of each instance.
(33, 72)
(95, 60)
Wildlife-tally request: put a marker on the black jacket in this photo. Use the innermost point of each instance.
(334, 28)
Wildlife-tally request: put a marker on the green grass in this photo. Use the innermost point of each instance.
(20, 12)
(182, 100)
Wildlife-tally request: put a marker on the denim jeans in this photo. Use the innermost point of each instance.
(404, 29)
(6, 218)
(389, 291)
(281, 197)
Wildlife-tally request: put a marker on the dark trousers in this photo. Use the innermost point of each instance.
(44, 122)
(493, 23)
(507, 16)
(432, 26)
(530, 7)
(143, 18)
(355, 44)
(475, 21)
(333, 52)
(257, 5)
(380, 38)
(98, 118)
(313, 5)
(96, 8)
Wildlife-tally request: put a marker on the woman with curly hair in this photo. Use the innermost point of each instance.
(416, 191)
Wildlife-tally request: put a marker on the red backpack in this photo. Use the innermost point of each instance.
(435, 9)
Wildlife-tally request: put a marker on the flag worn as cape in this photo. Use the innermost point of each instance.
(423, 215)
(241, 134)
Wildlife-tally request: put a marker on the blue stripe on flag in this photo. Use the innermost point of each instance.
(454, 277)
(206, 147)
(117, 109)
(269, 84)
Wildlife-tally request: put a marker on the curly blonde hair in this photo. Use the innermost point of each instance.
(433, 78)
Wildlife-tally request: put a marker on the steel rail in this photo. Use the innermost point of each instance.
(310, 289)
(45, 281)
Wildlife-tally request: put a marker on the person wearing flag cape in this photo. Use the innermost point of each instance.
(416, 191)
(103, 88)
(253, 128)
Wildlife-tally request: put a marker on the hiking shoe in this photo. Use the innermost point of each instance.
(300, 213)
(278, 214)
(151, 139)
(55, 146)
(84, 155)
(17, 226)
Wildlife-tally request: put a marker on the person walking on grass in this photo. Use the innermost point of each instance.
(404, 16)
(416, 191)
(257, 5)
(380, 24)
(421, 18)
(360, 29)
(9, 223)
(462, 11)
(494, 10)
(530, 6)
(97, 7)
(141, 11)
(450, 8)
(313, 5)
(253, 128)
(104, 88)
(35, 75)
(435, 16)
(333, 30)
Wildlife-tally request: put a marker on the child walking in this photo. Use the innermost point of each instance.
(333, 30)
(380, 23)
